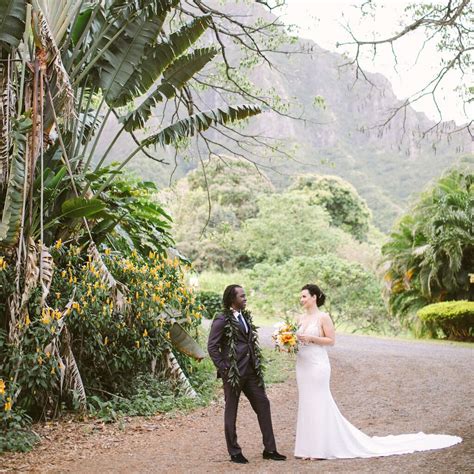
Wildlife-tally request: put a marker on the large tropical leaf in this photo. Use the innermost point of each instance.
(62, 92)
(7, 111)
(12, 23)
(174, 78)
(59, 15)
(13, 203)
(158, 57)
(81, 207)
(200, 122)
(185, 343)
(122, 48)
(125, 8)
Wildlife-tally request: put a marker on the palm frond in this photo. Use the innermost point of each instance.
(200, 122)
(175, 77)
(149, 8)
(157, 57)
(119, 60)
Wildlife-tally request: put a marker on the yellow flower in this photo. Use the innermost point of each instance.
(58, 244)
(2, 387)
(45, 316)
(107, 251)
(145, 333)
(8, 404)
(27, 320)
(53, 370)
(48, 354)
(106, 340)
(137, 343)
(76, 305)
(3, 264)
(40, 360)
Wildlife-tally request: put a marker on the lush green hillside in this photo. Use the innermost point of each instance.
(339, 137)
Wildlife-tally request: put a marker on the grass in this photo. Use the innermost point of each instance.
(280, 366)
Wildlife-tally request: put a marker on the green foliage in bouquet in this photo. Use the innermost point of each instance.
(454, 318)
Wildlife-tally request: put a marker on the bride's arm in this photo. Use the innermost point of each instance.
(329, 332)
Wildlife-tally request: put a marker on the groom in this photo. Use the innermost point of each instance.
(233, 347)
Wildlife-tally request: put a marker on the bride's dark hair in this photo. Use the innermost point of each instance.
(314, 290)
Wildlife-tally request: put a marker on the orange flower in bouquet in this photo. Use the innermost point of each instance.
(284, 336)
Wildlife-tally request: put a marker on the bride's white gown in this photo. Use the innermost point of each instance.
(322, 432)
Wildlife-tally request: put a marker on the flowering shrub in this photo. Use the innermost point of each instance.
(114, 332)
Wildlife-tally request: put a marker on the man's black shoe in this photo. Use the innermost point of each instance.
(239, 458)
(273, 455)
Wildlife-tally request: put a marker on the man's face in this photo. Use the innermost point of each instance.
(240, 300)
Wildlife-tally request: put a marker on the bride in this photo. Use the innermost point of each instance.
(321, 431)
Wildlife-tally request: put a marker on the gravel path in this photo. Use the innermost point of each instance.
(383, 386)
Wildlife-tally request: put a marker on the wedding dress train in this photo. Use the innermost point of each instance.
(322, 432)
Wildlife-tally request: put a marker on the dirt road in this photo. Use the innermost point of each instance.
(382, 386)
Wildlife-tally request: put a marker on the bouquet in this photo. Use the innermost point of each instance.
(284, 336)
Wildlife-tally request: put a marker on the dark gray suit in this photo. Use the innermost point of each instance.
(250, 384)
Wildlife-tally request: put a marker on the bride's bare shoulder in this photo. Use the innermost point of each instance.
(326, 316)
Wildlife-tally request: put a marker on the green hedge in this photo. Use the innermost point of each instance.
(211, 301)
(454, 318)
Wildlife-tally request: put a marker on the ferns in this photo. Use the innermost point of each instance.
(431, 250)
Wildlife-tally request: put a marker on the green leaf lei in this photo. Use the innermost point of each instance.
(230, 330)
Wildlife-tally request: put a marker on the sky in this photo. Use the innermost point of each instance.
(324, 22)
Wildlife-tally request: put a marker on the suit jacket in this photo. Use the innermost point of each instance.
(218, 346)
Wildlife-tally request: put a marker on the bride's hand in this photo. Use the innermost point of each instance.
(303, 338)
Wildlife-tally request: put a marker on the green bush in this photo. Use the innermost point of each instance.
(454, 318)
(353, 293)
(211, 301)
(340, 199)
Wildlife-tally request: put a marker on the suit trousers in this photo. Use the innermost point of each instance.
(249, 384)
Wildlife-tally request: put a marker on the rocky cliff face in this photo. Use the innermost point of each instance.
(345, 137)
